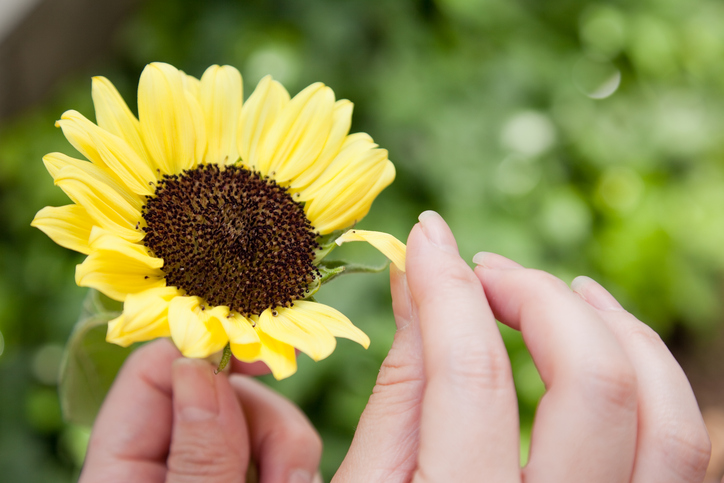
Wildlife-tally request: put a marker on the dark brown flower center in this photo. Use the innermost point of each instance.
(231, 237)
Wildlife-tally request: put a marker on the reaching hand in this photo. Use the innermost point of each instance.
(171, 419)
(617, 406)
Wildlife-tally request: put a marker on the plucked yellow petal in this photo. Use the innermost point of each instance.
(114, 153)
(69, 226)
(333, 320)
(278, 356)
(168, 127)
(390, 246)
(105, 204)
(257, 117)
(345, 211)
(298, 329)
(341, 122)
(118, 267)
(113, 115)
(299, 134)
(145, 317)
(196, 328)
(220, 96)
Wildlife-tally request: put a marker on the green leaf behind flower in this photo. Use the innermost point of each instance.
(90, 364)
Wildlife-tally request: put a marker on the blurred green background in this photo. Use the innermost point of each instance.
(578, 137)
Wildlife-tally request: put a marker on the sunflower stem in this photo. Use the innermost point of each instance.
(225, 357)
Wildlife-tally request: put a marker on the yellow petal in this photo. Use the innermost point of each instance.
(221, 94)
(390, 246)
(258, 114)
(298, 330)
(278, 356)
(333, 320)
(345, 211)
(113, 115)
(346, 190)
(239, 329)
(192, 85)
(118, 267)
(103, 202)
(69, 226)
(115, 154)
(356, 147)
(74, 127)
(145, 317)
(197, 119)
(195, 327)
(167, 122)
(299, 134)
(341, 122)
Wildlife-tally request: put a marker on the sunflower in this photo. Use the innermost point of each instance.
(209, 217)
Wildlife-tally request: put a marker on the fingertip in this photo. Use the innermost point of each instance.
(437, 232)
(494, 261)
(594, 293)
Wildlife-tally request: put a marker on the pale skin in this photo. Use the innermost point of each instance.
(617, 407)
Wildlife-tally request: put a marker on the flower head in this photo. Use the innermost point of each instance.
(205, 214)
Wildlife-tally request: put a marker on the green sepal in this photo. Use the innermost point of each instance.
(326, 244)
(90, 364)
(329, 270)
(225, 358)
(350, 267)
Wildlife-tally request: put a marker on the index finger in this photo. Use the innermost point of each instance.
(469, 422)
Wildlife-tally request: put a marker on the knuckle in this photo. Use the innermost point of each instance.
(480, 369)
(457, 273)
(643, 333)
(611, 385)
(399, 368)
(296, 433)
(686, 449)
(202, 459)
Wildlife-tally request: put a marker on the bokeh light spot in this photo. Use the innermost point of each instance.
(277, 61)
(620, 189)
(603, 31)
(517, 175)
(529, 132)
(565, 218)
(46, 364)
(596, 79)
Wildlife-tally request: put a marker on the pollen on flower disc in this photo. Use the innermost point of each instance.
(231, 237)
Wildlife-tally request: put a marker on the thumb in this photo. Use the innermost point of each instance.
(209, 441)
(385, 444)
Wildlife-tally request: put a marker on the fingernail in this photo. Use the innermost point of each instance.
(300, 476)
(493, 260)
(593, 293)
(317, 478)
(194, 390)
(437, 231)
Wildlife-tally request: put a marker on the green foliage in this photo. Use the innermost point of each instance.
(576, 137)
